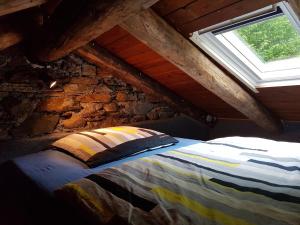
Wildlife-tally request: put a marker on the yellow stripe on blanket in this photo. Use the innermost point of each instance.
(129, 130)
(201, 210)
(223, 163)
(86, 149)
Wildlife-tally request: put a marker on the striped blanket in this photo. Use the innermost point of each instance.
(206, 183)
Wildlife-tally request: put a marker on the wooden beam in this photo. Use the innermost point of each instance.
(76, 23)
(15, 28)
(153, 31)
(129, 74)
(9, 36)
(11, 6)
(50, 6)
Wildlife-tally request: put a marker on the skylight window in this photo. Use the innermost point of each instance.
(271, 40)
(262, 50)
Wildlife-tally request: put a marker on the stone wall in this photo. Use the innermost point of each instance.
(85, 97)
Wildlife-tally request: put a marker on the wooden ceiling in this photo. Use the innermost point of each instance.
(187, 16)
(128, 48)
(284, 101)
(47, 39)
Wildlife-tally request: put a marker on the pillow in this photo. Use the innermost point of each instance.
(105, 145)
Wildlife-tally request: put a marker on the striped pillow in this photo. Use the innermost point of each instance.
(105, 145)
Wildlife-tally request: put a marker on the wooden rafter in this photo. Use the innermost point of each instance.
(129, 74)
(76, 23)
(11, 6)
(9, 36)
(15, 28)
(153, 31)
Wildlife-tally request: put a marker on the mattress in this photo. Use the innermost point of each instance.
(52, 169)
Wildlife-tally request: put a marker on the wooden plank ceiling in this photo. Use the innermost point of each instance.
(122, 44)
(282, 101)
(184, 15)
(190, 15)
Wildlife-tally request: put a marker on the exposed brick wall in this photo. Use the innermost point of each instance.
(86, 97)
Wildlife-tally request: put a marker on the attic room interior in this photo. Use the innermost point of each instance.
(149, 112)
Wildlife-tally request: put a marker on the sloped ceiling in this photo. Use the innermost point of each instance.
(122, 44)
(185, 16)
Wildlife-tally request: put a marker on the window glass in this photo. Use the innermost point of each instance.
(271, 40)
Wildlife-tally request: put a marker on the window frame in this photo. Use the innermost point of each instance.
(234, 61)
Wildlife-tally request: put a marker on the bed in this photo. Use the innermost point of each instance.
(28, 183)
(238, 181)
(224, 181)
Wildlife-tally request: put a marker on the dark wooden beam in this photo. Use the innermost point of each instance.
(11, 6)
(15, 28)
(101, 57)
(153, 31)
(49, 7)
(77, 22)
(9, 36)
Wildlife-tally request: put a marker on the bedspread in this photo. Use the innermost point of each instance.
(206, 183)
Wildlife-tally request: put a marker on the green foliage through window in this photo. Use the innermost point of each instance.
(273, 39)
